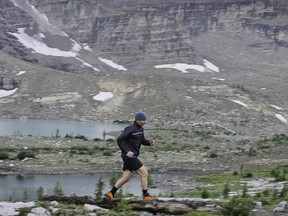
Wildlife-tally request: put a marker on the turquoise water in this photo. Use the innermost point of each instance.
(49, 128)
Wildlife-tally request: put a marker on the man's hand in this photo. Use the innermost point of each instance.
(152, 142)
(130, 154)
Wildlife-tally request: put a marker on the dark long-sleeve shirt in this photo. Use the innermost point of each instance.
(131, 139)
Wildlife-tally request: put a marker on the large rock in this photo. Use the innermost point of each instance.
(39, 211)
(10, 209)
(91, 208)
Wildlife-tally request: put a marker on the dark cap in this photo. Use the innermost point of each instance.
(140, 116)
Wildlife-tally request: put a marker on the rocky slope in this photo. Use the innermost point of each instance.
(246, 40)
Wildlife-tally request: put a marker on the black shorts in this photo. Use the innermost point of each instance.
(131, 164)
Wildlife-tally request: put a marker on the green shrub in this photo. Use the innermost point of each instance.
(226, 190)
(81, 150)
(248, 175)
(235, 172)
(244, 190)
(252, 152)
(40, 193)
(194, 213)
(25, 210)
(123, 207)
(237, 207)
(69, 136)
(213, 154)
(266, 193)
(25, 154)
(204, 193)
(81, 137)
(284, 190)
(4, 156)
(70, 210)
(279, 173)
(96, 139)
(280, 139)
(110, 140)
(107, 153)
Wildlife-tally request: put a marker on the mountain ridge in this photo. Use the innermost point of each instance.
(246, 40)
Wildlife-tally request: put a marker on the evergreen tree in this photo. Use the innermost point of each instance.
(226, 190)
(99, 189)
(40, 193)
(58, 191)
(25, 195)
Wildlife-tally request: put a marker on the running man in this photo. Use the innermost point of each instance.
(130, 141)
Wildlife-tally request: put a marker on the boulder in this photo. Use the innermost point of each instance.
(39, 211)
(91, 208)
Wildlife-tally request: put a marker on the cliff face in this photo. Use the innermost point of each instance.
(164, 31)
(12, 17)
(131, 32)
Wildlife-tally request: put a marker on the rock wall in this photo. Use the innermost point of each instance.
(134, 30)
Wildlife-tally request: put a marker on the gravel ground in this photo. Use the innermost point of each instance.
(63, 155)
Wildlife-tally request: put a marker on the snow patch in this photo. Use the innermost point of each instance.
(219, 79)
(211, 66)
(277, 107)
(87, 64)
(20, 73)
(35, 43)
(86, 47)
(183, 67)
(281, 118)
(4, 93)
(112, 64)
(103, 96)
(239, 102)
(40, 47)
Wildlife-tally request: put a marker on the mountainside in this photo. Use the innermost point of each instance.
(219, 62)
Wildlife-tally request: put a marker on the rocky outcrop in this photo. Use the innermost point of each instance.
(8, 83)
(168, 206)
(137, 30)
(11, 18)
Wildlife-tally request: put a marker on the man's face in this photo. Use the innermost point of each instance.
(141, 122)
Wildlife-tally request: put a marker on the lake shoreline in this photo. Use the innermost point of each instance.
(183, 150)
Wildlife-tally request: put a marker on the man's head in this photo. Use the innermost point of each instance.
(140, 118)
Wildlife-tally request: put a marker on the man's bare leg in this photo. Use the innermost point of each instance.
(143, 172)
(126, 175)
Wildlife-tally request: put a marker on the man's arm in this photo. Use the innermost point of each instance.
(121, 138)
(147, 142)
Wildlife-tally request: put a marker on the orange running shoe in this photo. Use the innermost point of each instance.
(148, 197)
(109, 195)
